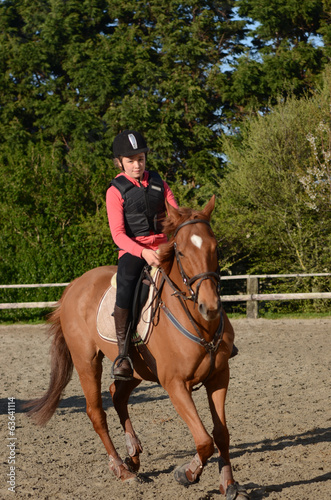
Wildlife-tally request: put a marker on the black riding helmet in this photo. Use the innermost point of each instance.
(129, 143)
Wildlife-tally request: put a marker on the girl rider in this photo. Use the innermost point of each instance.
(135, 206)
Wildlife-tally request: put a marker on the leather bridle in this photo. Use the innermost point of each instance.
(214, 276)
(212, 346)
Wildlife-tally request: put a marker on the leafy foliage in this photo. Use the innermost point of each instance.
(289, 47)
(267, 215)
(73, 74)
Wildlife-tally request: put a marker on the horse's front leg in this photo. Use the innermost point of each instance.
(120, 392)
(181, 398)
(216, 390)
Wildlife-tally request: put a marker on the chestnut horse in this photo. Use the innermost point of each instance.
(191, 343)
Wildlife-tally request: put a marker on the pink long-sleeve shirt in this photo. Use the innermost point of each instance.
(115, 212)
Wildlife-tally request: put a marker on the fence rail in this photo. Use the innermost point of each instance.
(252, 297)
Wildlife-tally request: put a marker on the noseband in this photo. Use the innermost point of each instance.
(188, 282)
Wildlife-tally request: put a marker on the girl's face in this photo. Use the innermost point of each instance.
(134, 166)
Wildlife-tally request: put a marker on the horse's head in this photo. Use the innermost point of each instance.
(191, 255)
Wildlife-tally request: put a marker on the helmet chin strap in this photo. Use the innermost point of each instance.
(121, 163)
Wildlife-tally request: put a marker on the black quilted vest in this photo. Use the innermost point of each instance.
(144, 208)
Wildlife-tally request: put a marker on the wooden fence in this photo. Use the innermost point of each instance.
(252, 297)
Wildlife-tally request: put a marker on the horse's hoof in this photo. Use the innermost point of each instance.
(121, 470)
(194, 469)
(133, 465)
(181, 477)
(136, 479)
(236, 492)
(130, 478)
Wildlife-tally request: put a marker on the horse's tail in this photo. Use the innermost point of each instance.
(41, 410)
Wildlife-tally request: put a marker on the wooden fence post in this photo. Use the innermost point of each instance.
(252, 306)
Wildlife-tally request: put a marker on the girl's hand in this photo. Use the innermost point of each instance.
(151, 257)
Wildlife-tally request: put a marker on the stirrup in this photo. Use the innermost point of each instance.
(120, 358)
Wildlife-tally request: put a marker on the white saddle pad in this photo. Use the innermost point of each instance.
(105, 318)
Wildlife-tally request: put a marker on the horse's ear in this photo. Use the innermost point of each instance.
(209, 207)
(172, 212)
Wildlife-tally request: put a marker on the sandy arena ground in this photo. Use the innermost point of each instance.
(278, 412)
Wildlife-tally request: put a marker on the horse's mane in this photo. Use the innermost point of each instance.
(169, 226)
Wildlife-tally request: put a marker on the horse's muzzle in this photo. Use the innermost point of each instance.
(209, 313)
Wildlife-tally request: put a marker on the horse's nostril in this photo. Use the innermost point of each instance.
(202, 308)
(209, 314)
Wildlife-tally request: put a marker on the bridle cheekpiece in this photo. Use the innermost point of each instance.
(214, 276)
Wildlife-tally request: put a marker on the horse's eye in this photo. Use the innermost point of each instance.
(180, 253)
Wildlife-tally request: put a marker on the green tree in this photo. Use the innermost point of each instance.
(86, 70)
(290, 46)
(73, 74)
(275, 205)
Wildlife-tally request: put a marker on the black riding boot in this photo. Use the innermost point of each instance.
(122, 367)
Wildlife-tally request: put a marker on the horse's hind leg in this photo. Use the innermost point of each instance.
(120, 392)
(89, 370)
